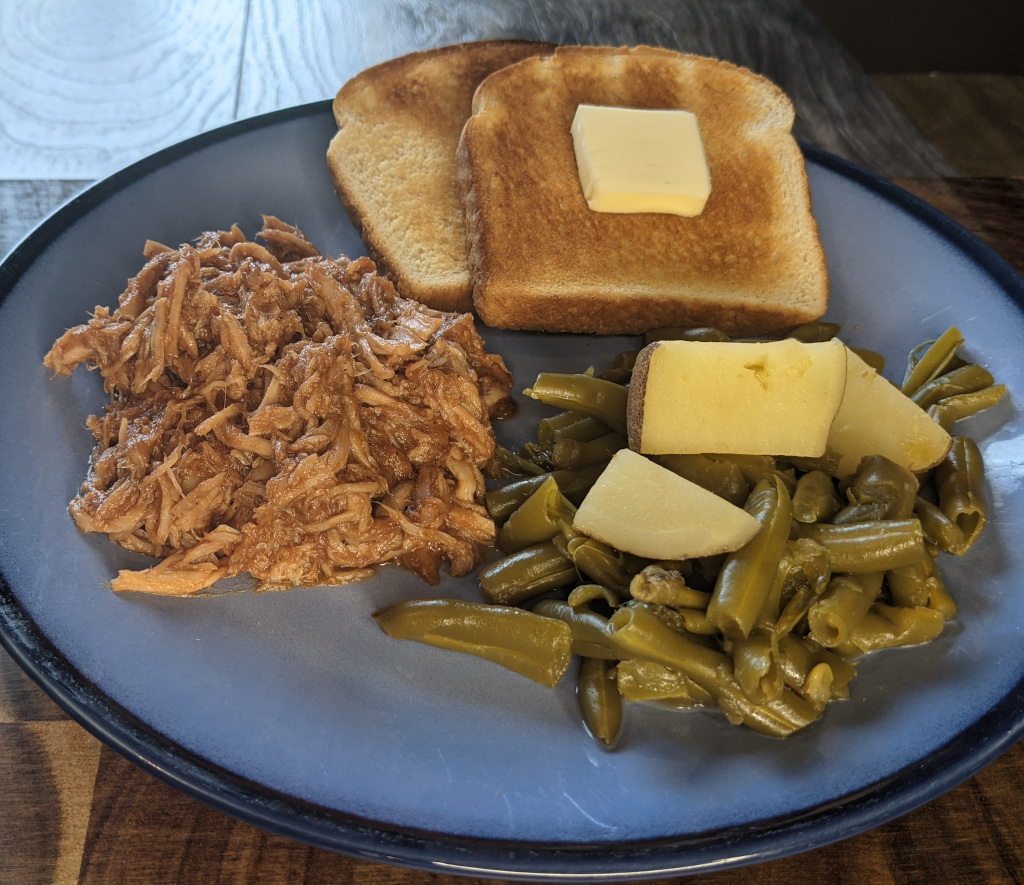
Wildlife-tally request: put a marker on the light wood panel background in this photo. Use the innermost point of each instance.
(87, 87)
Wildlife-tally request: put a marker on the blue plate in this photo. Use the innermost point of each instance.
(293, 712)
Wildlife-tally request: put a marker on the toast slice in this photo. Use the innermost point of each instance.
(392, 163)
(750, 263)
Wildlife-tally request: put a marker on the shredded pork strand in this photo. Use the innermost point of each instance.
(286, 415)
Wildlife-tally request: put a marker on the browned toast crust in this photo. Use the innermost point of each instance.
(752, 262)
(392, 162)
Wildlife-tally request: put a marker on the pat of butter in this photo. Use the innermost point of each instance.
(633, 160)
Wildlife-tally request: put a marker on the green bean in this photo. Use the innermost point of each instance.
(704, 571)
(940, 530)
(834, 616)
(910, 585)
(667, 587)
(958, 482)
(827, 463)
(965, 379)
(816, 331)
(815, 498)
(772, 606)
(754, 468)
(642, 635)
(756, 666)
(688, 622)
(570, 453)
(933, 361)
(516, 464)
(531, 645)
(601, 564)
(621, 370)
(696, 621)
(685, 333)
(600, 701)
(539, 518)
(574, 484)
(719, 476)
(604, 400)
(817, 687)
(534, 453)
(881, 488)
(584, 594)
(525, 574)
(888, 626)
(921, 585)
(640, 680)
(955, 408)
(589, 629)
(810, 574)
(798, 656)
(861, 548)
(569, 425)
(940, 600)
(749, 573)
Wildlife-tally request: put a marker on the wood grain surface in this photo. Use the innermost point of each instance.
(73, 811)
(86, 88)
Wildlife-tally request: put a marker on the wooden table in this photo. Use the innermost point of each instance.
(72, 810)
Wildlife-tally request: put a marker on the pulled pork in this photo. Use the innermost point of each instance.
(283, 414)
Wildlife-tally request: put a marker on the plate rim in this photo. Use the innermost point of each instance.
(970, 750)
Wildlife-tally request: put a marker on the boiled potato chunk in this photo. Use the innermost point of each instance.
(640, 507)
(744, 398)
(877, 418)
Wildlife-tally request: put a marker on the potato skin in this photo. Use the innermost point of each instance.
(635, 402)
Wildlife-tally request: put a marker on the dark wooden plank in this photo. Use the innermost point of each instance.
(976, 120)
(992, 209)
(47, 773)
(143, 831)
(20, 698)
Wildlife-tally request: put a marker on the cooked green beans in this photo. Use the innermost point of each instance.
(604, 400)
(568, 453)
(840, 566)
(516, 464)
(954, 408)
(539, 518)
(881, 489)
(933, 361)
(815, 331)
(600, 701)
(685, 333)
(837, 612)
(748, 574)
(574, 484)
(959, 481)
(964, 379)
(861, 548)
(639, 632)
(756, 666)
(667, 587)
(589, 630)
(526, 573)
(888, 626)
(531, 645)
(640, 680)
(569, 425)
(718, 475)
(815, 498)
